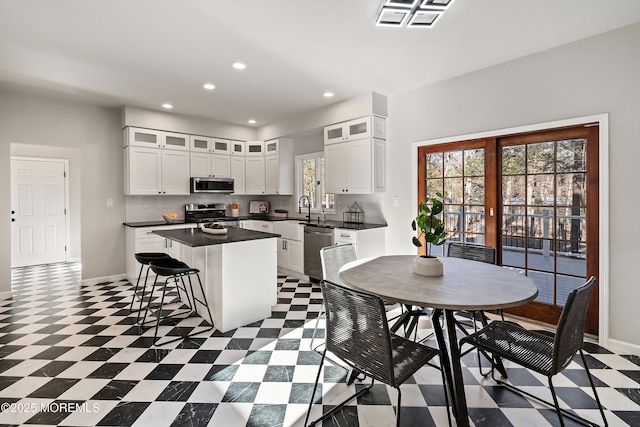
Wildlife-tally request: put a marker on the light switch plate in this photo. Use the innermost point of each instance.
(109, 202)
(396, 202)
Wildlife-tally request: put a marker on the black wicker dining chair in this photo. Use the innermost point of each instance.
(358, 334)
(546, 355)
(332, 259)
(480, 253)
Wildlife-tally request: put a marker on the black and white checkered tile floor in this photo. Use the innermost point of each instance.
(72, 355)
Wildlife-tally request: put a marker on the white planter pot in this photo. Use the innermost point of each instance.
(427, 266)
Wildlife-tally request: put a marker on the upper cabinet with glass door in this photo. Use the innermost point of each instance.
(237, 148)
(364, 127)
(205, 144)
(200, 144)
(142, 137)
(174, 141)
(254, 148)
(155, 139)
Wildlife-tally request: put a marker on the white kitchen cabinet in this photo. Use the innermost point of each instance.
(255, 175)
(221, 146)
(142, 137)
(272, 146)
(291, 255)
(279, 168)
(142, 239)
(246, 223)
(264, 226)
(238, 172)
(204, 144)
(210, 157)
(254, 148)
(200, 144)
(210, 165)
(238, 148)
(367, 243)
(355, 167)
(364, 127)
(290, 245)
(335, 168)
(174, 141)
(175, 172)
(154, 171)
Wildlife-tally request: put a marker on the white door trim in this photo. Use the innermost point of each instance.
(67, 253)
(603, 226)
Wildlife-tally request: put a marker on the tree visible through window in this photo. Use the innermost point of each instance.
(310, 179)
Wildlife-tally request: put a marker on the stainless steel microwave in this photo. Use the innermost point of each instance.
(212, 185)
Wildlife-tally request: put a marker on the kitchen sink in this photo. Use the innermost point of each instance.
(315, 224)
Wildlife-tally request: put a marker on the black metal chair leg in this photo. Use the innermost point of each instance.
(135, 290)
(153, 288)
(144, 289)
(164, 291)
(593, 387)
(555, 402)
(315, 387)
(186, 293)
(206, 304)
(337, 407)
(398, 407)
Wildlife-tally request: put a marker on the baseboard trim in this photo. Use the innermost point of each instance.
(96, 280)
(623, 347)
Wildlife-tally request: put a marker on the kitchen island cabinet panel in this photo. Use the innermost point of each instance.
(240, 277)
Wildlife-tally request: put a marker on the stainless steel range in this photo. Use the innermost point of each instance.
(209, 212)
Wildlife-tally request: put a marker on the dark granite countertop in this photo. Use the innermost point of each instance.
(323, 224)
(340, 224)
(152, 223)
(195, 237)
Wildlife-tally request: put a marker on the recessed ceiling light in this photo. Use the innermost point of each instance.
(209, 86)
(252, 122)
(167, 106)
(239, 66)
(328, 94)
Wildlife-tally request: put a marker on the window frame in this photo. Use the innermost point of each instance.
(318, 157)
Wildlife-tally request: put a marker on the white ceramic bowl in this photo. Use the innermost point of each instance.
(168, 219)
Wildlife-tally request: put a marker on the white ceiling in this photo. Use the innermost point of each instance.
(147, 52)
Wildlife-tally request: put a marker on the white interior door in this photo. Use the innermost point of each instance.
(38, 201)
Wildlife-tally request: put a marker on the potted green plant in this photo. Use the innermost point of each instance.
(431, 229)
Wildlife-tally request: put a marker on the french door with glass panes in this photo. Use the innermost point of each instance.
(534, 197)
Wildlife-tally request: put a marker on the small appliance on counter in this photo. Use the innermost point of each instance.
(209, 212)
(280, 213)
(258, 207)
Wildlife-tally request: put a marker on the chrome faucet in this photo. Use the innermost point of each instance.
(308, 206)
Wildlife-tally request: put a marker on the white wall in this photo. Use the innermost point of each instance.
(68, 127)
(5, 211)
(592, 76)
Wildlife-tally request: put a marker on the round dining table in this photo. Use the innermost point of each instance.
(465, 285)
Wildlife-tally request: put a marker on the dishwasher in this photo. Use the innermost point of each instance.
(315, 238)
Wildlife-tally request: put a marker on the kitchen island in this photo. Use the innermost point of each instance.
(238, 270)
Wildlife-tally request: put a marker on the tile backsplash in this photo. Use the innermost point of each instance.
(151, 208)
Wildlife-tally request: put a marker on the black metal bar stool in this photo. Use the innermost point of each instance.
(144, 258)
(175, 271)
